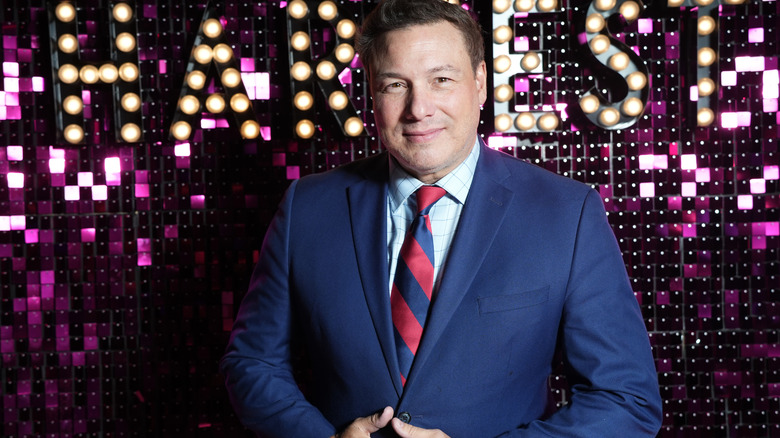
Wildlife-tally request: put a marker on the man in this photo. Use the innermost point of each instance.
(525, 266)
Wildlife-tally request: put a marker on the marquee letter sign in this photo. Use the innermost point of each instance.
(305, 70)
(213, 58)
(70, 74)
(528, 38)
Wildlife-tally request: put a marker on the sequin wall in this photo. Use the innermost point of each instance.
(122, 264)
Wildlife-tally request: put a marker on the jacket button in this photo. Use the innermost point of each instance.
(405, 417)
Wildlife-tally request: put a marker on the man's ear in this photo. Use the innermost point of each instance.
(480, 75)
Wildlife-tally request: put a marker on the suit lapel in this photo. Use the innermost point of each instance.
(481, 217)
(368, 216)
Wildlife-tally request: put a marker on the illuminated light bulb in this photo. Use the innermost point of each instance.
(619, 61)
(734, 2)
(196, 79)
(525, 121)
(89, 74)
(548, 122)
(239, 102)
(212, 28)
(300, 71)
(594, 23)
(524, 6)
(300, 41)
(338, 100)
(705, 56)
(68, 73)
(122, 12)
(502, 34)
(303, 100)
(546, 5)
(501, 6)
(503, 122)
(675, 3)
(130, 132)
(636, 81)
(630, 10)
(590, 104)
(705, 25)
(108, 73)
(326, 70)
(128, 72)
(189, 104)
(250, 129)
(502, 63)
(633, 107)
(73, 133)
(453, 2)
(346, 28)
(131, 102)
(327, 10)
(503, 93)
(304, 128)
(202, 54)
(345, 53)
(530, 61)
(68, 43)
(704, 2)
(72, 105)
(181, 130)
(604, 5)
(706, 86)
(705, 117)
(65, 12)
(600, 44)
(215, 103)
(353, 126)
(297, 9)
(231, 78)
(609, 116)
(222, 53)
(125, 42)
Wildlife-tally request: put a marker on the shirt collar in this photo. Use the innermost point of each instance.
(457, 183)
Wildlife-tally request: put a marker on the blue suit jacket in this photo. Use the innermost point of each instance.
(533, 269)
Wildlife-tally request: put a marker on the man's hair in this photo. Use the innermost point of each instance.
(390, 15)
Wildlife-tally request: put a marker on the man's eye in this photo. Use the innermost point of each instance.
(395, 86)
(442, 80)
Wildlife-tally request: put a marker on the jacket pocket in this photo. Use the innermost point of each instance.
(501, 303)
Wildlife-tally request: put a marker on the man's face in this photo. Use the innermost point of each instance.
(427, 99)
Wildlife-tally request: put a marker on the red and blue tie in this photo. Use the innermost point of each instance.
(413, 282)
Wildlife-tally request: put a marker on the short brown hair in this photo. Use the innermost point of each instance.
(390, 15)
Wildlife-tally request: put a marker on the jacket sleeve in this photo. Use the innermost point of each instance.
(605, 346)
(257, 364)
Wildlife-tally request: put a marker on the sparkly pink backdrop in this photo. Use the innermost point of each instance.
(122, 265)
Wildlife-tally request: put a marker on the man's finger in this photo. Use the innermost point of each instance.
(379, 419)
(405, 430)
(364, 426)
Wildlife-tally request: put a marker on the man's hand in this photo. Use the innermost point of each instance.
(408, 431)
(365, 426)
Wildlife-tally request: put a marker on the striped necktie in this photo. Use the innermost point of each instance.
(413, 282)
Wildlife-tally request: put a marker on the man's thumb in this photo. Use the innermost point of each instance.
(381, 419)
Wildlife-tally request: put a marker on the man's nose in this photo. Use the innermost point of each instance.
(420, 103)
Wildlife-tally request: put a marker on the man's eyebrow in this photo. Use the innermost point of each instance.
(433, 70)
(386, 75)
(444, 68)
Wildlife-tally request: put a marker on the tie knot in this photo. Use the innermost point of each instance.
(427, 196)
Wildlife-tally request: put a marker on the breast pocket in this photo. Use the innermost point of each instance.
(502, 303)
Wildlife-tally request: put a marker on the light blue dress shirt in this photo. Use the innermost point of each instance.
(444, 214)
